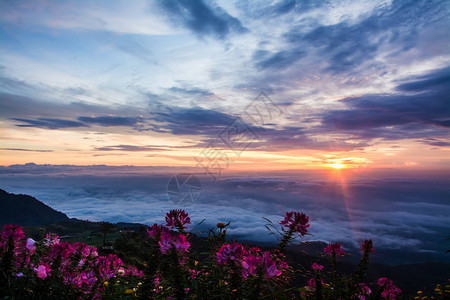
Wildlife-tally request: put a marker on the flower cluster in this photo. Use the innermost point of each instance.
(365, 291)
(230, 253)
(390, 291)
(334, 249)
(78, 265)
(177, 218)
(296, 222)
(252, 261)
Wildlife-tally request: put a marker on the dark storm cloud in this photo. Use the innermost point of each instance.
(111, 120)
(49, 123)
(201, 18)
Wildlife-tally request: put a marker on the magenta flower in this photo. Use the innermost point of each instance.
(334, 249)
(365, 291)
(270, 266)
(367, 247)
(316, 266)
(179, 242)
(177, 218)
(296, 222)
(230, 252)
(250, 265)
(156, 230)
(13, 232)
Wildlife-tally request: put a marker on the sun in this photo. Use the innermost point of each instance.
(336, 166)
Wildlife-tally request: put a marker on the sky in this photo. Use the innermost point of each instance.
(226, 86)
(340, 109)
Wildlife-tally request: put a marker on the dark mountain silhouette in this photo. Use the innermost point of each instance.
(25, 210)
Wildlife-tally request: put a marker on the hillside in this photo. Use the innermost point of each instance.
(25, 210)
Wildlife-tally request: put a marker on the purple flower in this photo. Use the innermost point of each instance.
(31, 244)
(51, 239)
(250, 265)
(296, 222)
(230, 252)
(334, 248)
(156, 230)
(177, 218)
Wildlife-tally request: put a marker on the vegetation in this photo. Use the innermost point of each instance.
(171, 263)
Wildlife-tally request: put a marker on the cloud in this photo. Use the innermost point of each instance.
(132, 148)
(437, 79)
(26, 150)
(49, 123)
(373, 206)
(111, 120)
(424, 113)
(279, 60)
(202, 19)
(192, 121)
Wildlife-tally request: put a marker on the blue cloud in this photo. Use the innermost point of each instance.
(425, 113)
(49, 123)
(203, 19)
(111, 120)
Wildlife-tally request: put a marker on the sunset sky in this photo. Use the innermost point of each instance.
(260, 85)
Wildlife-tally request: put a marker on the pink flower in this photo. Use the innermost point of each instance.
(365, 290)
(31, 244)
(367, 247)
(296, 222)
(230, 252)
(51, 239)
(177, 218)
(42, 271)
(390, 291)
(312, 283)
(316, 266)
(334, 248)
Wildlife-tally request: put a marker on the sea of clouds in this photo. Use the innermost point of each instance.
(406, 214)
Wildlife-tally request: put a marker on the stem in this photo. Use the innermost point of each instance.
(286, 238)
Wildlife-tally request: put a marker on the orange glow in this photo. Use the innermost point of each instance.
(336, 166)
